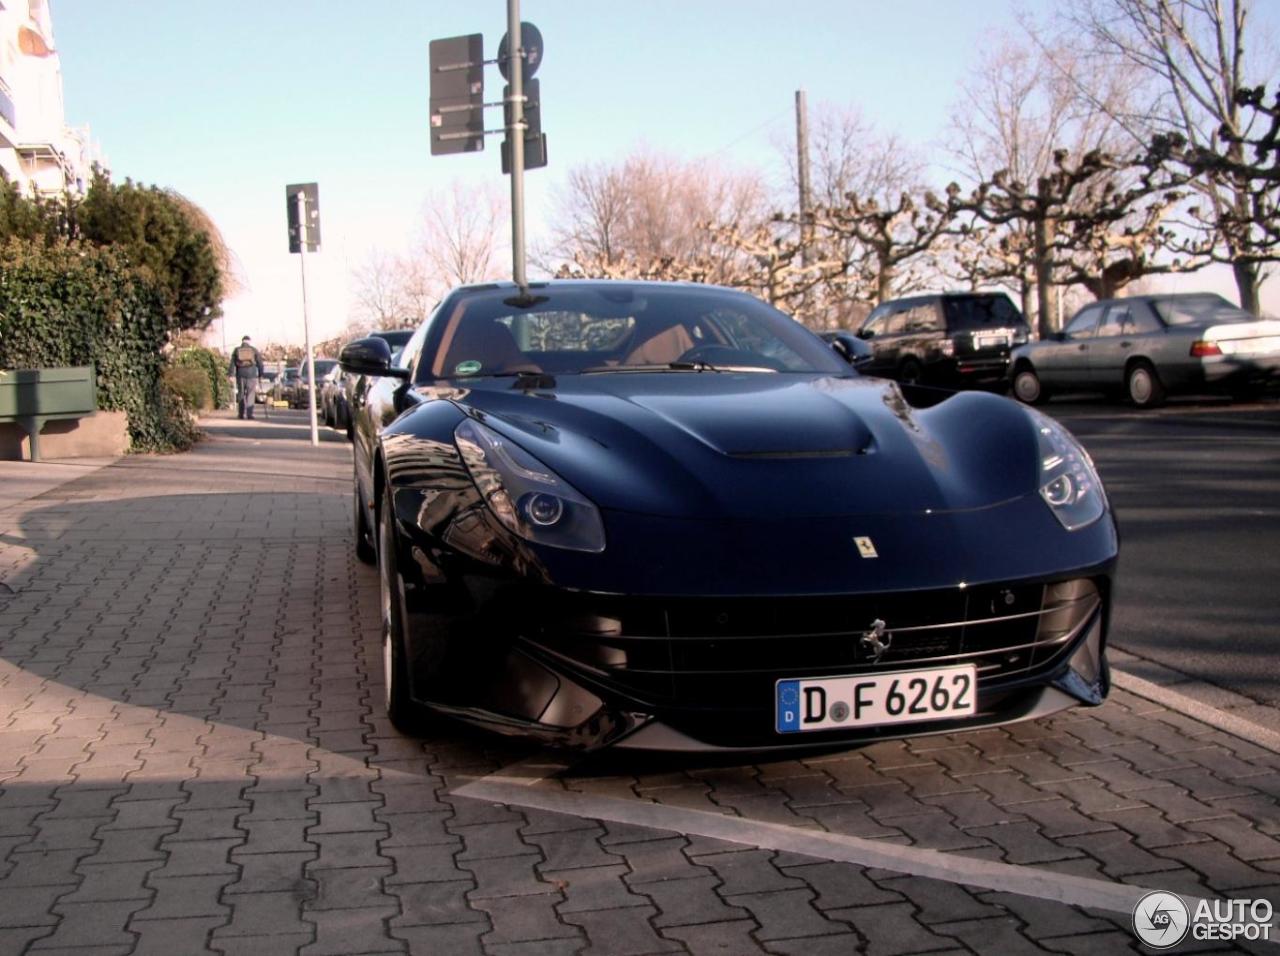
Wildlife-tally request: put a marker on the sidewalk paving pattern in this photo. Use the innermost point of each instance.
(194, 759)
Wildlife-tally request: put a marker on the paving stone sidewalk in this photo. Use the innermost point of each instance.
(193, 759)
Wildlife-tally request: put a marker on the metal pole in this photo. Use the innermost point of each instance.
(802, 173)
(515, 137)
(306, 320)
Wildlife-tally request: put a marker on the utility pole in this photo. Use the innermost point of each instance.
(802, 174)
(515, 137)
(306, 320)
(457, 110)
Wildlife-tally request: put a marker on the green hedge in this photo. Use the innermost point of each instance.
(80, 304)
(214, 366)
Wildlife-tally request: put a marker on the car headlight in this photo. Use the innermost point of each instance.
(1069, 484)
(525, 495)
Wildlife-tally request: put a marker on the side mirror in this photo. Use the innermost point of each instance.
(866, 333)
(371, 356)
(852, 349)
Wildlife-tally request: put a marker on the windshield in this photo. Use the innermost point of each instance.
(1200, 310)
(602, 328)
(976, 312)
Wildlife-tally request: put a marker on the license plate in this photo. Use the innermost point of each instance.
(986, 341)
(1261, 346)
(830, 703)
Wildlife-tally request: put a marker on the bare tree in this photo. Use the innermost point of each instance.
(378, 294)
(460, 235)
(651, 208)
(1016, 110)
(882, 246)
(1194, 57)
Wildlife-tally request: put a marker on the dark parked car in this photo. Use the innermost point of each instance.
(289, 386)
(332, 397)
(325, 368)
(666, 516)
(1148, 346)
(956, 339)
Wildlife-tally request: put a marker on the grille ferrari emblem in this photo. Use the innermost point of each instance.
(876, 641)
(866, 547)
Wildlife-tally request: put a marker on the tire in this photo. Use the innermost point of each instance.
(365, 550)
(1027, 387)
(910, 372)
(405, 714)
(1143, 386)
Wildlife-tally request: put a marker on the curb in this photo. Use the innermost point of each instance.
(1189, 706)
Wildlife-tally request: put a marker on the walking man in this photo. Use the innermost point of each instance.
(246, 366)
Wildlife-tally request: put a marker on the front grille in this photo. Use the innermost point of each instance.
(705, 653)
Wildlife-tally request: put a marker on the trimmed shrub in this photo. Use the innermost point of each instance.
(190, 385)
(72, 304)
(214, 366)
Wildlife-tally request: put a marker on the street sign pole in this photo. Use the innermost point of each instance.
(306, 321)
(515, 136)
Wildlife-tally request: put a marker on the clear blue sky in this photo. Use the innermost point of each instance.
(229, 101)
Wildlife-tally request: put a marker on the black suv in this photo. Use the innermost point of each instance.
(954, 338)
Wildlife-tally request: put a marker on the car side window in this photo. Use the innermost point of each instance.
(409, 355)
(924, 318)
(896, 322)
(1140, 321)
(875, 323)
(1115, 320)
(1082, 326)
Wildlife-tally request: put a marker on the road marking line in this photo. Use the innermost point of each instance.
(1187, 705)
(516, 789)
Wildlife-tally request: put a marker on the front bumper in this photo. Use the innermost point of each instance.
(587, 671)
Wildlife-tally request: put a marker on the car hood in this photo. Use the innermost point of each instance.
(728, 445)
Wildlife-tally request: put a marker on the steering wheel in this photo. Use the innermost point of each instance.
(727, 355)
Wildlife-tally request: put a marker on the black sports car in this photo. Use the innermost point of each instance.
(668, 516)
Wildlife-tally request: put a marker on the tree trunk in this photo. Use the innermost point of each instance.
(884, 281)
(1247, 285)
(1046, 292)
(1028, 300)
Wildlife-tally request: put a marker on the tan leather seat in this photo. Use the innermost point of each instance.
(488, 342)
(667, 346)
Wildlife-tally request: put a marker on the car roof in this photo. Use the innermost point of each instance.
(553, 284)
(936, 296)
(1161, 297)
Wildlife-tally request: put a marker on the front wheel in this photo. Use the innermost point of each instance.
(1143, 386)
(910, 372)
(1027, 387)
(365, 550)
(404, 712)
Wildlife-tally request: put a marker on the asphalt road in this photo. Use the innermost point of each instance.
(1196, 489)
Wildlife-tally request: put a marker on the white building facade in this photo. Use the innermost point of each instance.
(38, 151)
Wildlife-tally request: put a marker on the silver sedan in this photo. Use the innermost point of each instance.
(1149, 346)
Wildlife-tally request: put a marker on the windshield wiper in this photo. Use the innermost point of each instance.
(674, 367)
(526, 378)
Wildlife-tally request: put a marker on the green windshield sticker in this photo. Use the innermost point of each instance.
(469, 367)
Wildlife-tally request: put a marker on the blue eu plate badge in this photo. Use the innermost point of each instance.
(788, 692)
